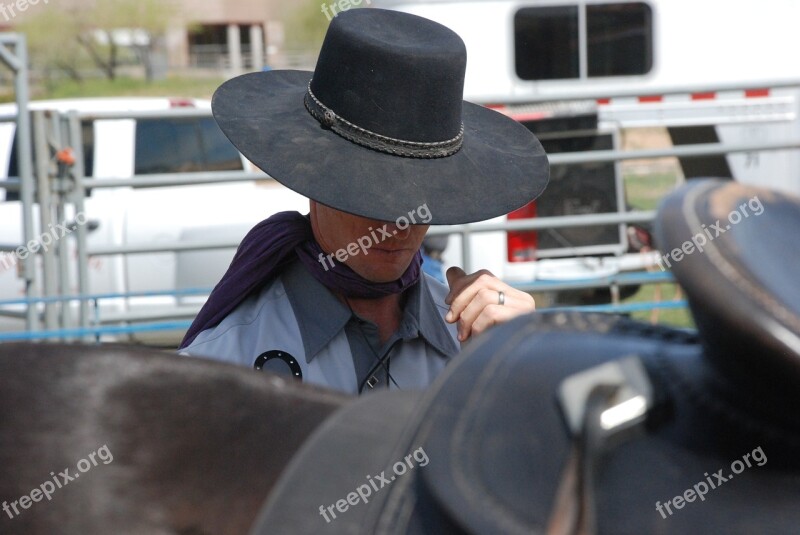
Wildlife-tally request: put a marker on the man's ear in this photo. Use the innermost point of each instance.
(313, 206)
(312, 211)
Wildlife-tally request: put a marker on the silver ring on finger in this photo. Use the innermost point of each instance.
(501, 298)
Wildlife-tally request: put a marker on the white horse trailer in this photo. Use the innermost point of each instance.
(708, 71)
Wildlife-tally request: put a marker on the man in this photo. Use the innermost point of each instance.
(379, 138)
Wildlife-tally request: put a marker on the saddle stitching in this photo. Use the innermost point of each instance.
(426, 412)
(730, 272)
(464, 451)
(476, 492)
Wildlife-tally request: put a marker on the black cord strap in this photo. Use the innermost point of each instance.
(366, 138)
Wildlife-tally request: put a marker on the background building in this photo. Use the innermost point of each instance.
(224, 36)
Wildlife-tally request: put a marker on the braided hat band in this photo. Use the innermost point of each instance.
(366, 138)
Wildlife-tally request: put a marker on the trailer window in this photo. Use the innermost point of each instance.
(183, 146)
(619, 39)
(548, 44)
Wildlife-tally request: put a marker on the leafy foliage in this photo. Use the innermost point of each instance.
(305, 25)
(67, 38)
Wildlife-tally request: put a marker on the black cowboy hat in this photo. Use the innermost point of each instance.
(380, 127)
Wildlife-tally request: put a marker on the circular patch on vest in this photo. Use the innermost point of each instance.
(279, 362)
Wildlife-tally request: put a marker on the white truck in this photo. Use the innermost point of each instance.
(577, 73)
(122, 148)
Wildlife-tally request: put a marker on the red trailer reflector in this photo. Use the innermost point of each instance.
(756, 93)
(651, 98)
(522, 243)
(181, 103)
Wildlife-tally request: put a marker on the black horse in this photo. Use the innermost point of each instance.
(169, 444)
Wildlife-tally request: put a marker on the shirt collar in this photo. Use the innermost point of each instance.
(321, 316)
(422, 311)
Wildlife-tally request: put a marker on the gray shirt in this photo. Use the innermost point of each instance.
(316, 336)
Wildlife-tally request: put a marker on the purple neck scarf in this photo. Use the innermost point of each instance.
(266, 251)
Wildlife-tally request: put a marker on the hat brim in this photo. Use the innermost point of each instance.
(500, 167)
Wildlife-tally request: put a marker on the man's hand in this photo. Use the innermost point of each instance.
(475, 301)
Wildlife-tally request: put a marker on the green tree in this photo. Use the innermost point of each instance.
(53, 45)
(149, 18)
(68, 37)
(305, 25)
(306, 22)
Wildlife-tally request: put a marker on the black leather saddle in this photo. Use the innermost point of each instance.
(568, 422)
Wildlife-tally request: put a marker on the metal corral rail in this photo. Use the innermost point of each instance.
(54, 187)
(98, 329)
(14, 55)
